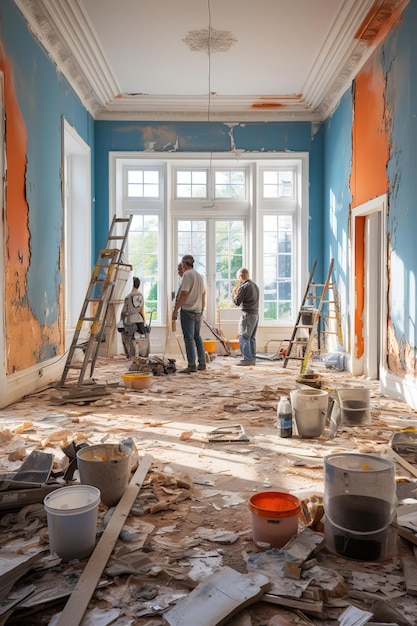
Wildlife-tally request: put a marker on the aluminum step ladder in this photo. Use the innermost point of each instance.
(91, 323)
(318, 319)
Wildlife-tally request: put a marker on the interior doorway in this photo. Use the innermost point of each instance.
(368, 288)
(77, 225)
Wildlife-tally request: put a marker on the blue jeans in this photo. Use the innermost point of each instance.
(248, 324)
(190, 324)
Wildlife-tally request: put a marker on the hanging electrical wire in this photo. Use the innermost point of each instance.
(209, 84)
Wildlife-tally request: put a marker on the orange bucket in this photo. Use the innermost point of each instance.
(209, 345)
(274, 517)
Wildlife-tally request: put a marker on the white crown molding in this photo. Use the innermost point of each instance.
(340, 54)
(64, 29)
(235, 117)
(69, 39)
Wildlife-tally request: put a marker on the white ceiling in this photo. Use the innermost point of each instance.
(154, 59)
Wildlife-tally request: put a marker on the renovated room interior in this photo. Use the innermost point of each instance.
(225, 128)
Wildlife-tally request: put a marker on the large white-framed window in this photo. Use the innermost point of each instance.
(249, 210)
(282, 218)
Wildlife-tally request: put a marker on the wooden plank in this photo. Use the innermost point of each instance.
(76, 606)
(405, 464)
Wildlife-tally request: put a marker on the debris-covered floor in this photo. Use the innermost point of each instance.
(190, 523)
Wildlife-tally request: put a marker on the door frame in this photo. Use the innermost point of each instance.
(368, 288)
(76, 200)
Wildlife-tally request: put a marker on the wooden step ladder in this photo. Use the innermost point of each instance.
(91, 323)
(318, 319)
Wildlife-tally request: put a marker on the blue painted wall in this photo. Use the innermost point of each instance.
(399, 59)
(396, 97)
(337, 196)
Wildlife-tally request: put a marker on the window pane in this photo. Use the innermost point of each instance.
(191, 184)
(150, 177)
(229, 238)
(191, 239)
(143, 183)
(184, 178)
(199, 178)
(143, 255)
(278, 183)
(135, 176)
(230, 184)
(277, 267)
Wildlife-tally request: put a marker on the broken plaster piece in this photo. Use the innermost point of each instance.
(218, 597)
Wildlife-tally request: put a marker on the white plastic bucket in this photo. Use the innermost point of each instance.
(310, 408)
(72, 520)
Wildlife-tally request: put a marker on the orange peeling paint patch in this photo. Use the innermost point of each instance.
(16, 139)
(279, 102)
(24, 335)
(370, 154)
(150, 133)
(370, 136)
(379, 20)
(359, 285)
(268, 105)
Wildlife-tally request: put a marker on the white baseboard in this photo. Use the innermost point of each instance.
(398, 388)
(16, 386)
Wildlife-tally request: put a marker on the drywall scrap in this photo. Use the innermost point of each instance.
(218, 598)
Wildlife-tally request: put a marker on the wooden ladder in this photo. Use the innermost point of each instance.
(91, 323)
(319, 315)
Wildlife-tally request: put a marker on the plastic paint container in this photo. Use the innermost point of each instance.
(310, 408)
(274, 517)
(72, 520)
(360, 506)
(107, 467)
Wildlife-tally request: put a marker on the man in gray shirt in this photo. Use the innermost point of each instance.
(246, 296)
(191, 300)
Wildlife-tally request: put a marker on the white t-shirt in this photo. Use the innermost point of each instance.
(193, 283)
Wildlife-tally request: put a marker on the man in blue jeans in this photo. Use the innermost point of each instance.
(191, 300)
(246, 296)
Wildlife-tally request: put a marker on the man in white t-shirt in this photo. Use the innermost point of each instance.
(191, 301)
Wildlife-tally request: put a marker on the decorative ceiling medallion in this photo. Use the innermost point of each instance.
(212, 40)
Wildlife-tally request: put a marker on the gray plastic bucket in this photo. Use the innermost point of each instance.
(72, 520)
